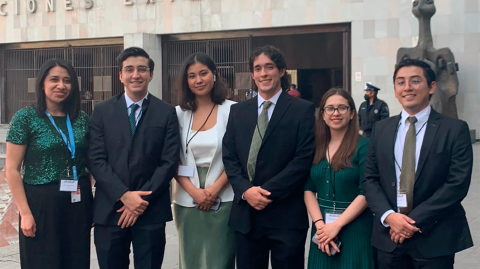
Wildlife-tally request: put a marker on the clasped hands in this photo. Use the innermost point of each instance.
(401, 227)
(257, 197)
(326, 233)
(204, 198)
(133, 206)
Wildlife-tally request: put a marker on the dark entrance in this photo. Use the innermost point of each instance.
(94, 65)
(230, 55)
(318, 55)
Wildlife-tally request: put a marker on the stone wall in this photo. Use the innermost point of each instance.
(379, 28)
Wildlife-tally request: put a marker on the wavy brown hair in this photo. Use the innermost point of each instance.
(343, 157)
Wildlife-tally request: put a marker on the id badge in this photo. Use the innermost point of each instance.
(185, 170)
(332, 215)
(402, 199)
(76, 195)
(68, 185)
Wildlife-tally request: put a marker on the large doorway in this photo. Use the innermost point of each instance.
(95, 67)
(318, 57)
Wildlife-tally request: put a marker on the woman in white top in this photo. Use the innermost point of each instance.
(202, 195)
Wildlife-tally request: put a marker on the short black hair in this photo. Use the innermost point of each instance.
(134, 52)
(293, 86)
(186, 97)
(71, 105)
(427, 70)
(277, 56)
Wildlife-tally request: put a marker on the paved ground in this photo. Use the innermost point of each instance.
(468, 259)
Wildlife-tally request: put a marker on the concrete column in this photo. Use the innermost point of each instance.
(153, 46)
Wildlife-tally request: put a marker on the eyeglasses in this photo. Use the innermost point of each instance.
(414, 82)
(330, 110)
(141, 69)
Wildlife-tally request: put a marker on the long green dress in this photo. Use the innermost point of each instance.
(356, 250)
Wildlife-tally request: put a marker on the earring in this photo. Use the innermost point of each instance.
(214, 78)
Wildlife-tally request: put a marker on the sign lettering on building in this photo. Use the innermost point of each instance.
(31, 6)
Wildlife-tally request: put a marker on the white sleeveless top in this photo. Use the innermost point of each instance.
(203, 146)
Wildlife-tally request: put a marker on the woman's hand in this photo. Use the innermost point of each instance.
(28, 227)
(328, 232)
(213, 191)
(325, 247)
(203, 199)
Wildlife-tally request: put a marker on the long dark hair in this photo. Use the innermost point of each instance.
(343, 157)
(276, 55)
(186, 98)
(71, 105)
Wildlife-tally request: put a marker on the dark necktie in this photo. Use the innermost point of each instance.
(407, 175)
(257, 138)
(131, 118)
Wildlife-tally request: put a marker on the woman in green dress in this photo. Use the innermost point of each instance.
(46, 171)
(202, 195)
(342, 223)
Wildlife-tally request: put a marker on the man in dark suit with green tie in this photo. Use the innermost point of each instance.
(268, 152)
(417, 171)
(134, 145)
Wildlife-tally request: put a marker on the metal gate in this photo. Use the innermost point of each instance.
(230, 56)
(95, 66)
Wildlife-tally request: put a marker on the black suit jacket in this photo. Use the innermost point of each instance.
(442, 180)
(147, 162)
(283, 162)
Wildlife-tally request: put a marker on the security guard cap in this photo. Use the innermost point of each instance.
(369, 86)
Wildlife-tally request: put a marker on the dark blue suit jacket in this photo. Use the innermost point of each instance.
(442, 180)
(283, 163)
(147, 162)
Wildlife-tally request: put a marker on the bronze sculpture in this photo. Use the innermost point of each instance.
(441, 60)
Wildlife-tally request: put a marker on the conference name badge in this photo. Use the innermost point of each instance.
(76, 196)
(185, 171)
(402, 199)
(68, 185)
(332, 215)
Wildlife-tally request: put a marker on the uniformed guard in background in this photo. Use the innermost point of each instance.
(372, 110)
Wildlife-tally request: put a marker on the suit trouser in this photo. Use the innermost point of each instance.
(406, 256)
(113, 246)
(287, 249)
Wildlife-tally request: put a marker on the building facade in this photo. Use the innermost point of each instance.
(326, 42)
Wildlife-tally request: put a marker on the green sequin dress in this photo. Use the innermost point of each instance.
(47, 158)
(356, 250)
(62, 238)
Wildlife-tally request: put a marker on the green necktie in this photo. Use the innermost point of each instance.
(257, 138)
(407, 175)
(131, 118)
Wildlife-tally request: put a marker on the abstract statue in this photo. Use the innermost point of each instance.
(441, 60)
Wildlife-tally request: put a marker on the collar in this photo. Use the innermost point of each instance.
(421, 116)
(130, 101)
(274, 98)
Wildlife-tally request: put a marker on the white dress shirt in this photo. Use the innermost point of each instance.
(138, 112)
(274, 101)
(404, 124)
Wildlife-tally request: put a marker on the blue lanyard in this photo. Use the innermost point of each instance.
(70, 142)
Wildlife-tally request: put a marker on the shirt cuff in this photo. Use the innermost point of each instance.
(384, 216)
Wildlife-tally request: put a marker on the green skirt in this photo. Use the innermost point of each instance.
(206, 241)
(356, 251)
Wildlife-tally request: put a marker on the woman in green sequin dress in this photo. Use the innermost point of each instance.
(205, 239)
(334, 188)
(54, 226)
